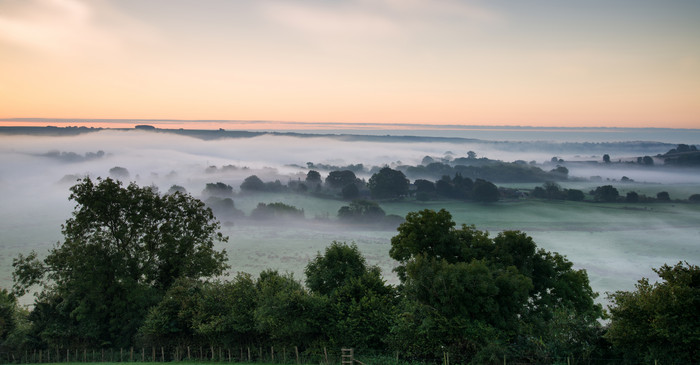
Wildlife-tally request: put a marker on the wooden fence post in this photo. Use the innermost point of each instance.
(325, 354)
(296, 352)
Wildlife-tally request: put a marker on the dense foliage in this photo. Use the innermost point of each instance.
(388, 183)
(132, 266)
(123, 249)
(469, 292)
(659, 321)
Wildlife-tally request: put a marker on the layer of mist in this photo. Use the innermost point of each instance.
(616, 248)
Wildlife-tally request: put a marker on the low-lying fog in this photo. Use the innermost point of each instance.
(36, 173)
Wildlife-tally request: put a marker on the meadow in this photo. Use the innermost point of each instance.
(616, 243)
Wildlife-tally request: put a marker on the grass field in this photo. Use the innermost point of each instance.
(617, 244)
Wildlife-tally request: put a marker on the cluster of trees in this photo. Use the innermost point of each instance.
(457, 187)
(552, 190)
(123, 248)
(74, 157)
(604, 193)
(682, 155)
(135, 269)
(386, 183)
(608, 193)
(486, 169)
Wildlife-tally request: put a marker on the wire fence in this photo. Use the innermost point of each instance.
(258, 354)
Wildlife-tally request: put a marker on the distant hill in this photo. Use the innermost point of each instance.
(682, 155)
(587, 148)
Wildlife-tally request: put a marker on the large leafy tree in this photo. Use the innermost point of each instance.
(360, 304)
(286, 313)
(388, 183)
(485, 191)
(659, 321)
(463, 287)
(340, 179)
(123, 248)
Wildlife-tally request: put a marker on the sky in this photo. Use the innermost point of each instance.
(577, 63)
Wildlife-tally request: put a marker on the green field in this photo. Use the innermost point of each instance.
(616, 243)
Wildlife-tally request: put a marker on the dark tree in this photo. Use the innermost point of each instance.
(469, 293)
(605, 193)
(8, 307)
(118, 172)
(663, 196)
(485, 191)
(647, 160)
(443, 187)
(574, 195)
(276, 210)
(253, 183)
(313, 179)
(632, 197)
(361, 305)
(350, 192)
(361, 211)
(553, 190)
(123, 248)
(539, 192)
(388, 183)
(560, 171)
(217, 189)
(659, 322)
(223, 207)
(286, 313)
(340, 179)
(177, 189)
(339, 264)
(424, 186)
(606, 158)
(462, 187)
(313, 176)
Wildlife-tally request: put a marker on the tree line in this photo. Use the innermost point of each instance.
(137, 268)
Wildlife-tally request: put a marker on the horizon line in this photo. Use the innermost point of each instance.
(212, 123)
